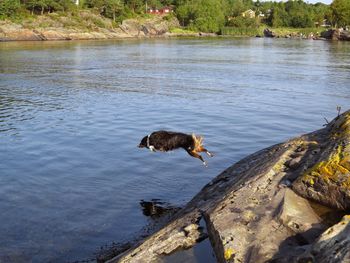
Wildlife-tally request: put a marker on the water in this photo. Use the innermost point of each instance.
(72, 114)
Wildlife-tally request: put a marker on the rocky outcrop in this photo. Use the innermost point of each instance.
(131, 28)
(15, 32)
(262, 209)
(268, 33)
(327, 180)
(332, 246)
(336, 34)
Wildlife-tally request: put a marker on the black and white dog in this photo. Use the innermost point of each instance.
(167, 141)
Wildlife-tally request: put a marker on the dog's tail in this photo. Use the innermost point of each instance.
(198, 142)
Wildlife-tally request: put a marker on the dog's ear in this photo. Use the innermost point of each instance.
(143, 142)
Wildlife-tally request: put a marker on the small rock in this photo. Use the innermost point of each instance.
(268, 33)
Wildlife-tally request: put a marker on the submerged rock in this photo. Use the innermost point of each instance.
(258, 210)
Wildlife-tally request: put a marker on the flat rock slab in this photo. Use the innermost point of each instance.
(299, 216)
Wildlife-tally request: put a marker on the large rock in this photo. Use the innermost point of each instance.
(252, 213)
(15, 32)
(336, 34)
(152, 27)
(327, 180)
(333, 246)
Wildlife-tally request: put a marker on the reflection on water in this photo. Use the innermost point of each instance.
(72, 113)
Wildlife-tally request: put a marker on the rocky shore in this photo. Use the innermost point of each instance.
(286, 203)
(330, 34)
(89, 27)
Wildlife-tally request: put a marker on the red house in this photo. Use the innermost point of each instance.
(161, 11)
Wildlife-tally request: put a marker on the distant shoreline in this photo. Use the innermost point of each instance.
(145, 29)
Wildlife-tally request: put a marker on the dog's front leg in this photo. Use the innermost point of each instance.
(152, 149)
(206, 151)
(196, 155)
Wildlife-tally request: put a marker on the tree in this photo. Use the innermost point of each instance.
(203, 15)
(279, 16)
(299, 14)
(9, 8)
(113, 7)
(236, 7)
(244, 22)
(34, 4)
(340, 13)
(320, 12)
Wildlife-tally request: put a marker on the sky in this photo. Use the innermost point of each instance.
(308, 1)
(316, 1)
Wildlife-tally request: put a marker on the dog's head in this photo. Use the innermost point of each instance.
(143, 142)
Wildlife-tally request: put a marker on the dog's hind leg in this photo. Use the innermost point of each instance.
(196, 155)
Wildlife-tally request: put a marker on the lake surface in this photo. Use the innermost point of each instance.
(72, 114)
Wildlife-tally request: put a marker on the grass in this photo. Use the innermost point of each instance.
(178, 30)
(241, 31)
(279, 31)
(283, 31)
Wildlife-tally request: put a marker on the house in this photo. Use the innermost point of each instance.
(261, 15)
(249, 13)
(324, 23)
(161, 11)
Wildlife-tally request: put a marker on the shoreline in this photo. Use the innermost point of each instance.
(46, 28)
(156, 27)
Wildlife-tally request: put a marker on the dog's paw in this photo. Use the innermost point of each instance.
(210, 154)
(152, 149)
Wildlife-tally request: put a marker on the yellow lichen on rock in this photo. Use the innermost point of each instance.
(336, 169)
(228, 253)
(342, 126)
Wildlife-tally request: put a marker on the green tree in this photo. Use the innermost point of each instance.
(203, 15)
(184, 14)
(113, 8)
(320, 12)
(243, 22)
(279, 16)
(9, 8)
(236, 7)
(299, 14)
(65, 5)
(136, 6)
(37, 4)
(340, 13)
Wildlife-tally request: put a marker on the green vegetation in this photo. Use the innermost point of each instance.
(244, 17)
(340, 13)
(182, 31)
